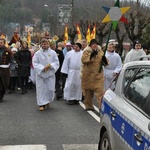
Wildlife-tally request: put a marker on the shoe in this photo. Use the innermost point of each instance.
(23, 92)
(41, 108)
(13, 91)
(59, 97)
(10, 92)
(71, 102)
(47, 105)
(76, 102)
(89, 109)
(19, 89)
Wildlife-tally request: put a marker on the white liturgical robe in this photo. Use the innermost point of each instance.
(133, 54)
(45, 81)
(114, 67)
(71, 66)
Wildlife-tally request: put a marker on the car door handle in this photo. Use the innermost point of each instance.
(138, 137)
(113, 114)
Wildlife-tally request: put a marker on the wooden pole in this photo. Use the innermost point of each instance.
(106, 45)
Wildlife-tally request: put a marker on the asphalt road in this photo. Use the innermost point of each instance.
(61, 127)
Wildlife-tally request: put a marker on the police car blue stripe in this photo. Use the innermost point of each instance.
(125, 128)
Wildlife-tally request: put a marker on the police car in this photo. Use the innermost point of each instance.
(125, 111)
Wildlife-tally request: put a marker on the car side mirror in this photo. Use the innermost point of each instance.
(149, 126)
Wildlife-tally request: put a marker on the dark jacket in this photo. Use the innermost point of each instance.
(5, 60)
(61, 59)
(13, 67)
(24, 61)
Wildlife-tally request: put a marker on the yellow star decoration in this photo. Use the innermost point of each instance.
(115, 14)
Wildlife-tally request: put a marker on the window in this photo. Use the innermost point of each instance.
(137, 88)
(129, 75)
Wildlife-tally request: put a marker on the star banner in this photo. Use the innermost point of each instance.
(115, 14)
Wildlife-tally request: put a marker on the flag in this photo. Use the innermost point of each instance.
(29, 38)
(79, 32)
(66, 34)
(93, 34)
(88, 35)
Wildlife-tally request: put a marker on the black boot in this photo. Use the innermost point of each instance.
(1, 100)
(22, 90)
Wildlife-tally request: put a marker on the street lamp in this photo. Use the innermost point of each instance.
(50, 18)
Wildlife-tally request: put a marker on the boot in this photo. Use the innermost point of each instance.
(23, 90)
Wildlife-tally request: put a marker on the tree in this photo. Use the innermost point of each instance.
(84, 26)
(101, 31)
(146, 37)
(138, 18)
(132, 25)
(120, 38)
(72, 33)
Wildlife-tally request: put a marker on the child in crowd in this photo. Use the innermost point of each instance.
(13, 71)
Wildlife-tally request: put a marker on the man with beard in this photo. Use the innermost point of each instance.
(71, 69)
(45, 63)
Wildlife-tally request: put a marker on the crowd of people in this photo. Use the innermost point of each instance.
(71, 72)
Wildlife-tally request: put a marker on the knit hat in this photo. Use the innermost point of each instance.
(80, 46)
(68, 44)
(136, 42)
(93, 41)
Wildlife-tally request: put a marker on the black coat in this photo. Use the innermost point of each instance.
(61, 59)
(24, 60)
(4, 72)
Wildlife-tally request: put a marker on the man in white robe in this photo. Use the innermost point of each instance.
(71, 69)
(45, 62)
(112, 70)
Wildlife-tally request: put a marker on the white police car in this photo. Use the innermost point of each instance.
(125, 112)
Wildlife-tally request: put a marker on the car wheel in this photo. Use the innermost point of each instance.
(104, 143)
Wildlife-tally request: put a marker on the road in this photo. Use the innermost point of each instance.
(61, 127)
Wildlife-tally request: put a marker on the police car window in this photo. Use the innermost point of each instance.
(129, 73)
(138, 91)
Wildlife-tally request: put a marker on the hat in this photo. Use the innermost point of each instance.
(93, 41)
(80, 46)
(14, 49)
(12, 45)
(136, 42)
(68, 44)
(51, 42)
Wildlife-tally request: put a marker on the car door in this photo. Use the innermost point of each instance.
(122, 130)
(141, 140)
(138, 94)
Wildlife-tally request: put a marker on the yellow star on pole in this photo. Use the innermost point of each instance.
(115, 14)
